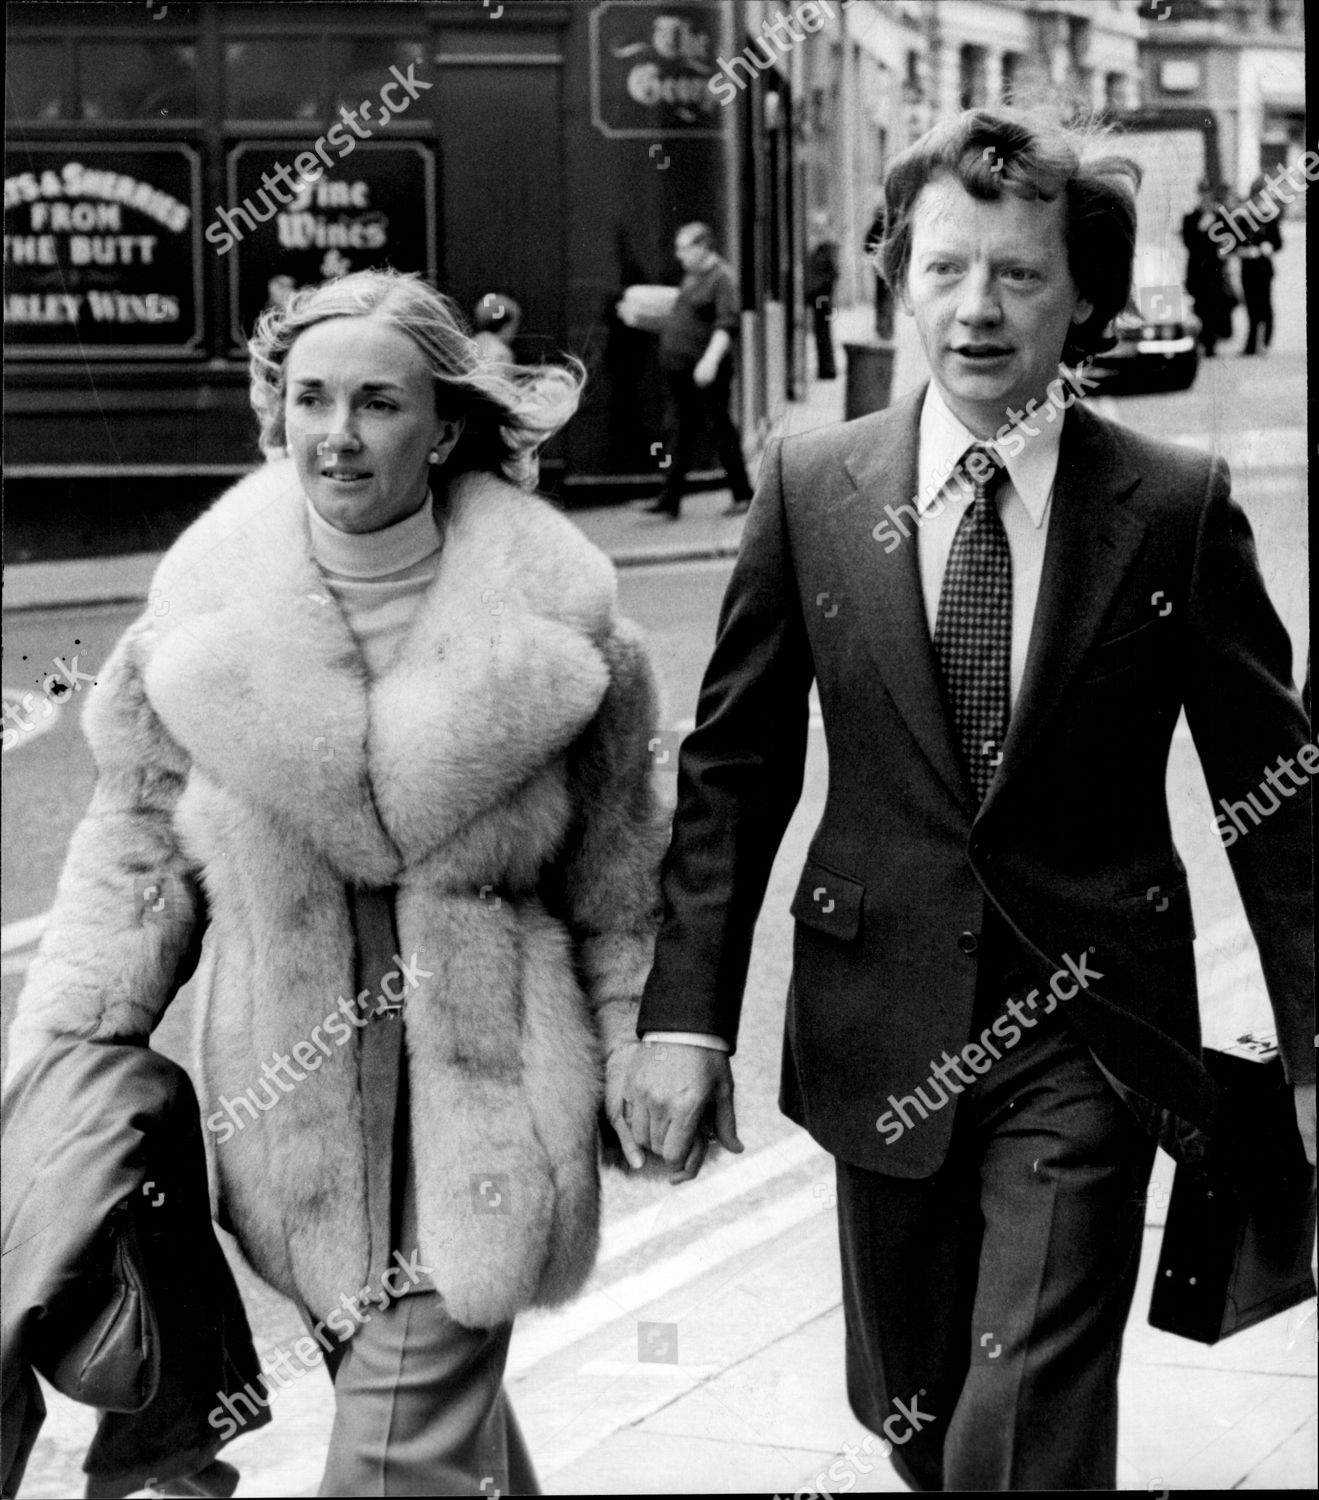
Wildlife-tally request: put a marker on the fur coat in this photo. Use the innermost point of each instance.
(499, 775)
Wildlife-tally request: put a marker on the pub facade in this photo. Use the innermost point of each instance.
(171, 170)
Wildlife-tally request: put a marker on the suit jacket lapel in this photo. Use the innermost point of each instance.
(1092, 540)
(885, 580)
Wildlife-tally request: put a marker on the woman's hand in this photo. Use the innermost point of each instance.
(618, 1065)
(678, 1097)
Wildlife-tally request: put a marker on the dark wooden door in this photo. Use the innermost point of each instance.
(501, 193)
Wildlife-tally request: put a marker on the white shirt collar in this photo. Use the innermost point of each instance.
(944, 438)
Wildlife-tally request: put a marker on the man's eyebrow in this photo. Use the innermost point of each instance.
(956, 252)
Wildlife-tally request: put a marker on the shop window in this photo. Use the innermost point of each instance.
(137, 80)
(273, 78)
(973, 84)
(34, 82)
(359, 67)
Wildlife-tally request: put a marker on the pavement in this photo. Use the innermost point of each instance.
(706, 1353)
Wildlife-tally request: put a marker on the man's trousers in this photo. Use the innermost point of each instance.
(689, 409)
(985, 1305)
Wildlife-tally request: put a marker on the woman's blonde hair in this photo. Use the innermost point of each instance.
(509, 411)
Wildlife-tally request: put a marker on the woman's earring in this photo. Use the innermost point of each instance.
(434, 456)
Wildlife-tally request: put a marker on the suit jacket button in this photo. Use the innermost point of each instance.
(968, 942)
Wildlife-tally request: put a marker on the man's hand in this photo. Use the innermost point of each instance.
(1305, 1117)
(704, 373)
(670, 1093)
(626, 314)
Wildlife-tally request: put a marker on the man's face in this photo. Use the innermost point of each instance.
(691, 252)
(993, 299)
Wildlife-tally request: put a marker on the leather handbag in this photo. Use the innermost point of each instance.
(1240, 1229)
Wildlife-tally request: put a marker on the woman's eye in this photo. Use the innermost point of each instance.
(308, 398)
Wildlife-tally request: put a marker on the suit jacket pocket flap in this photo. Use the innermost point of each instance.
(828, 902)
(1160, 915)
(1119, 652)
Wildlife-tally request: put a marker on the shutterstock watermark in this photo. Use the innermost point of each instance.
(57, 687)
(1307, 755)
(279, 1370)
(841, 1475)
(810, 16)
(1227, 233)
(309, 1053)
(224, 231)
(1007, 442)
(1064, 983)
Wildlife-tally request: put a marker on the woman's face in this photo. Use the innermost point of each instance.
(360, 419)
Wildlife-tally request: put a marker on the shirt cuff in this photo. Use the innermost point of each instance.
(688, 1039)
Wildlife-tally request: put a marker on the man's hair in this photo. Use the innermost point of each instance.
(699, 234)
(992, 152)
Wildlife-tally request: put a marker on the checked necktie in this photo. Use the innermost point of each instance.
(973, 629)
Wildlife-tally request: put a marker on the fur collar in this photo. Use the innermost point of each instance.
(252, 668)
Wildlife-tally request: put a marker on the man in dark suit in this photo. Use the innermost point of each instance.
(1205, 272)
(1005, 602)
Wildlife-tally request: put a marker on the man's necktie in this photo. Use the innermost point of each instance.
(973, 629)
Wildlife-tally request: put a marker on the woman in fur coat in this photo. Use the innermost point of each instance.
(382, 721)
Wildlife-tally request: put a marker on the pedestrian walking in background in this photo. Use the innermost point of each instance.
(696, 361)
(497, 318)
(820, 280)
(1260, 239)
(1205, 284)
(391, 724)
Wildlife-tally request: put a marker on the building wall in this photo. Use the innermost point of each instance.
(1270, 112)
(534, 188)
(882, 64)
(1244, 61)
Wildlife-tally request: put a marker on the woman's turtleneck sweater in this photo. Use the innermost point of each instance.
(378, 577)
